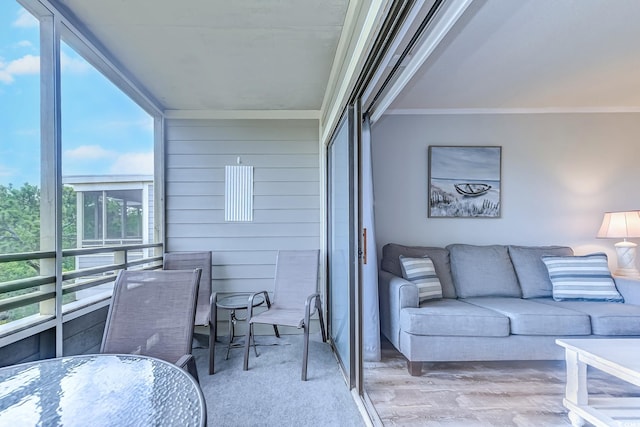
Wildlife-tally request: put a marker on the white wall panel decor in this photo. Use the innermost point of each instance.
(238, 193)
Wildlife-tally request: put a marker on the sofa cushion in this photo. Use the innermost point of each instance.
(528, 317)
(482, 271)
(531, 271)
(422, 272)
(450, 317)
(607, 318)
(583, 278)
(440, 256)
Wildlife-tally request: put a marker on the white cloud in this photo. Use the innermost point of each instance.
(25, 20)
(27, 132)
(73, 65)
(24, 43)
(6, 171)
(143, 124)
(5, 77)
(133, 163)
(28, 64)
(89, 152)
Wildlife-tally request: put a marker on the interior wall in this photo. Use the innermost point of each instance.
(560, 172)
(285, 157)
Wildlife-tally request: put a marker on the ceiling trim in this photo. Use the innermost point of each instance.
(243, 114)
(541, 110)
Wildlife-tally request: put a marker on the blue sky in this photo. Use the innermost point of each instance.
(103, 131)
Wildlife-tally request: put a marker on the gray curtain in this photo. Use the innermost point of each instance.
(370, 312)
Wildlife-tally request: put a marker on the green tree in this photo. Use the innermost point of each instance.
(20, 227)
(20, 232)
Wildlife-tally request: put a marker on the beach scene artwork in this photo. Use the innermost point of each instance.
(464, 181)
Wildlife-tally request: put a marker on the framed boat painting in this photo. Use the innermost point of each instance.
(464, 181)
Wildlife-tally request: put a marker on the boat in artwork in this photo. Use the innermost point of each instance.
(472, 189)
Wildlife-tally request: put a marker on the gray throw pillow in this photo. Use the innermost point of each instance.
(531, 271)
(483, 271)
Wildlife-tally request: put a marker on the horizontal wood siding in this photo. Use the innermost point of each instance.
(82, 335)
(287, 201)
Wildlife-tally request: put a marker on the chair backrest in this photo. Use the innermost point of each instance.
(189, 261)
(296, 278)
(152, 313)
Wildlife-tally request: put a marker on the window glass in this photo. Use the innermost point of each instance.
(92, 217)
(107, 163)
(107, 142)
(19, 150)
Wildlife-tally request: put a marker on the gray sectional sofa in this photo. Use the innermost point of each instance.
(497, 304)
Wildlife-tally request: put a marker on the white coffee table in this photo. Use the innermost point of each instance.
(617, 357)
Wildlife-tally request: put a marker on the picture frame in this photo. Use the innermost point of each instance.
(464, 181)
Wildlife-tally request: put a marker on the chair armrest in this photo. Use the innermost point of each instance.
(395, 293)
(184, 360)
(629, 289)
(188, 363)
(307, 307)
(252, 297)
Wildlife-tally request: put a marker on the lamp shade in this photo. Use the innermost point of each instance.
(620, 225)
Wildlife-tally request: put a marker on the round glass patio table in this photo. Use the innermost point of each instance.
(100, 390)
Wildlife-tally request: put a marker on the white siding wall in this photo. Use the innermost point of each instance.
(287, 201)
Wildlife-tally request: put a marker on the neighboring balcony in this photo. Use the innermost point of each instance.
(110, 219)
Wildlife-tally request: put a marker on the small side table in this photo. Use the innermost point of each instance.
(232, 303)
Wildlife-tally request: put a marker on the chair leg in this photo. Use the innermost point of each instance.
(321, 320)
(213, 330)
(305, 354)
(247, 344)
(192, 369)
(212, 347)
(275, 329)
(255, 349)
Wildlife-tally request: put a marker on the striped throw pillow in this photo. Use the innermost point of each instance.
(422, 272)
(585, 278)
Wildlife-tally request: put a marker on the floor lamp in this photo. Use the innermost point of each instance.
(622, 225)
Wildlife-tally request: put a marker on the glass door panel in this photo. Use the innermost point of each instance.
(341, 246)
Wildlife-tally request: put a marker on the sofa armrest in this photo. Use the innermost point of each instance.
(395, 293)
(629, 289)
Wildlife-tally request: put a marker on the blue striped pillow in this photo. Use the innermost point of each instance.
(585, 278)
(422, 272)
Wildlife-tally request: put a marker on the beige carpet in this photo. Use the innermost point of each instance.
(477, 393)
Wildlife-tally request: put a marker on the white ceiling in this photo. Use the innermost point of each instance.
(278, 54)
(221, 54)
(571, 55)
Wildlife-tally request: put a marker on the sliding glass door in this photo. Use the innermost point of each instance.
(342, 261)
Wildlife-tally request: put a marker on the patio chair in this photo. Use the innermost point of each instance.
(189, 261)
(294, 301)
(152, 314)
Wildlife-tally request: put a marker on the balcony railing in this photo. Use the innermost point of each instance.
(28, 305)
